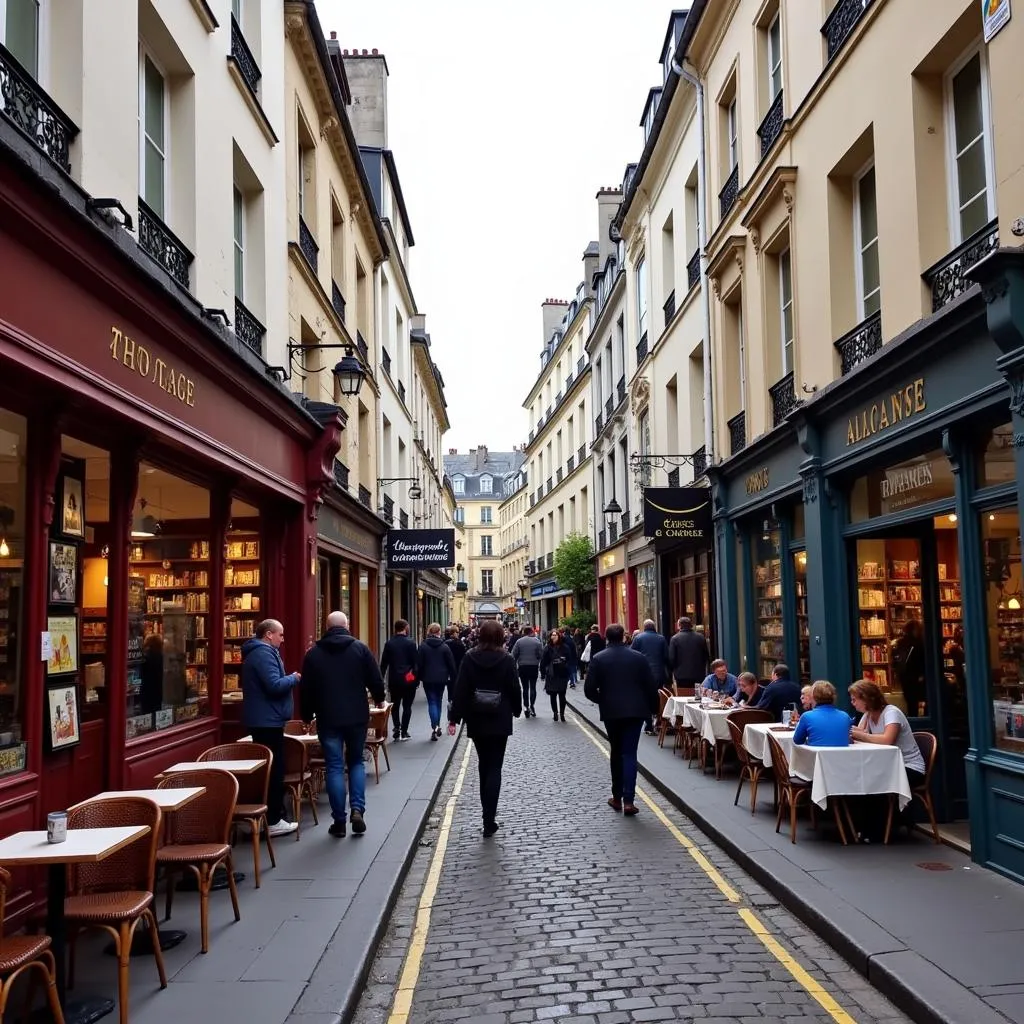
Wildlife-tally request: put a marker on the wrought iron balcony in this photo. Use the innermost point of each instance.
(365, 498)
(730, 190)
(841, 22)
(161, 244)
(571, 464)
(568, 383)
(248, 329)
(307, 244)
(558, 399)
(784, 399)
(624, 522)
(547, 413)
(362, 348)
(673, 477)
(580, 364)
(341, 475)
(700, 462)
(620, 390)
(388, 509)
(641, 349)
(693, 270)
(462, 586)
(598, 424)
(737, 433)
(337, 300)
(549, 484)
(528, 570)
(670, 307)
(602, 539)
(609, 407)
(385, 361)
(861, 343)
(946, 278)
(581, 455)
(401, 392)
(771, 126)
(242, 56)
(403, 519)
(559, 475)
(613, 532)
(533, 500)
(29, 109)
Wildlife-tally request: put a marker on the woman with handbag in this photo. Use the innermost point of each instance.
(554, 667)
(487, 697)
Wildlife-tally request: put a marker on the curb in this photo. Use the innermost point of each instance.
(914, 985)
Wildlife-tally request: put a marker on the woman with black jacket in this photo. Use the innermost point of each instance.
(487, 698)
(555, 662)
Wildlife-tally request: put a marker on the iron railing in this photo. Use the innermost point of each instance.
(784, 399)
(860, 344)
(673, 477)
(559, 475)
(307, 244)
(161, 244)
(842, 20)
(693, 270)
(570, 465)
(700, 462)
(385, 361)
(771, 126)
(641, 349)
(581, 455)
(403, 519)
(620, 390)
(598, 423)
(613, 532)
(602, 539)
(609, 407)
(362, 348)
(946, 279)
(669, 307)
(401, 392)
(341, 474)
(365, 497)
(737, 432)
(337, 300)
(625, 522)
(242, 56)
(248, 329)
(548, 485)
(388, 509)
(730, 190)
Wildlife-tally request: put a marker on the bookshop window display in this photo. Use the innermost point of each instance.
(767, 559)
(243, 552)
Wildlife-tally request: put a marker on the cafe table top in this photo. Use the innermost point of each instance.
(82, 846)
(755, 740)
(674, 706)
(165, 799)
(302, 737)
(861, 769)
(245, 766)
(709, 721)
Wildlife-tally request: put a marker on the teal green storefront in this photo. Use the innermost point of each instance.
(881, 517)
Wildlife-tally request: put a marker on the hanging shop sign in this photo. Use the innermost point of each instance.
(678, 514)
(421, 549)
(543, 588)
(888, 411)
(995, 14)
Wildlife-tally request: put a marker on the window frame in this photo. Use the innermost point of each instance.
(774, 60)
(486, 515)
(741, 337)
(788, 346)
(732, 136)
(459, 484)
(146, 54)
(238, 232)
(858, 241)
(485, 586)
(486, 545)
(952, 178)
(486, 484)
(640, 282)
(41, 73)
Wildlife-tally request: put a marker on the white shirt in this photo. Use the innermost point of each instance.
(891, 715)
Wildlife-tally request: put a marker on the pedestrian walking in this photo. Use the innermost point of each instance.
(621, 683)
(654, 647)
(554, 667)
(688, 656)
(487, 698)
(398, 665)
(526, 653)
(267, 705)
(337, 672)
(458, 649)
(435, 668)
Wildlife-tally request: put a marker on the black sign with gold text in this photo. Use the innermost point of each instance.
(678, 515)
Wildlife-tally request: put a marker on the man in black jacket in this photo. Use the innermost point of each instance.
(458, 649)
(781, 694)
(336, 673)
(398, 663)
(688, 655)
(621, 683)
(435, 668)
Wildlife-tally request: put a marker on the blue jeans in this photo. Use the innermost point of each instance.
(623, 738)
(344, 748)
(573, 674)
(435, 695)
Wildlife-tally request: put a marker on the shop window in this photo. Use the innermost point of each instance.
(768, 600)
(869, 288)
(996, 463)
(19, 32)
(243, 590)
(153, 134)
(13, 431)
(803, 632)
(646, 595)
(906, 485)
(741, 607)
(169, 612)
(798, 529)
(1004, 608)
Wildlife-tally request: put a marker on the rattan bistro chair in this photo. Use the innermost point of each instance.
(929, 747)
(298, 780)
(750, 768)
(792, 790)
(377, 738)
(663, 722)
(115, 894)
(198, 839)
(21, 953)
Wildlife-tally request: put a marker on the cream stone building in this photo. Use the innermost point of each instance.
(558, 447)
(515, 544)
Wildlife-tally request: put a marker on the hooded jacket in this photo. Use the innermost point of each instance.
(398, 656)
(435, 663)
(487, 670)
(688, 656)
(266, 688)
(458, 649)
(336, 673)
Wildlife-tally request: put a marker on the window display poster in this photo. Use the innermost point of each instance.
(62, 715)
(63, 631)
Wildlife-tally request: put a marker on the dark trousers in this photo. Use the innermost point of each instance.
(557, 702)
(624, 738)
(402, 696)
(274, 739)
(490, 753)
(528, 681)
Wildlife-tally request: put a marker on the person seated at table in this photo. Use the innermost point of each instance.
(882, 722)
(749, 692)
(807, 698)
(781, 694)
(720, 682)
(824, 725)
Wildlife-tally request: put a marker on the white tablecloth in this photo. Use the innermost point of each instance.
(709, 722)
(755, 739)
(861, 769)
(674, 707)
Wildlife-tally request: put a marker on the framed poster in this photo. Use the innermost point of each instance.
(64, 727)
(63, 579)
(63, 631)
(70, 512)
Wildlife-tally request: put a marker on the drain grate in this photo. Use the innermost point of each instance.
(934, 865)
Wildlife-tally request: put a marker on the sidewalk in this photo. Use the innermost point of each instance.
(301, 952)
(939, 935)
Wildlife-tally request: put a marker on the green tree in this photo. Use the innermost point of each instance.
(574, 566)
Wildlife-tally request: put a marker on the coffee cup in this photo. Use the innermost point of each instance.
(56, 826)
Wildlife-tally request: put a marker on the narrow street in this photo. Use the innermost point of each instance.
(573, 913)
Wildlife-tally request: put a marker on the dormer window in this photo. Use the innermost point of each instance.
(485, 484)
(459, 484)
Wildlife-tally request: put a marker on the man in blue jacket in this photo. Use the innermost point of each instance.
(781, 694)
(654, 647)
(266, 707)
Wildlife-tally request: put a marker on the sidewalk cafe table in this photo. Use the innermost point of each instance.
(82, 846)
(244, 766)
(710, 723)
(755, 740)
(674, 707)
(308, 738)
(861, 769)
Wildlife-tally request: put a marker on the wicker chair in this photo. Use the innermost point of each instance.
(297, 779)
(929, 747)
(198, 838)
(663, 723)
(21, 953)
(251, 806)
(749, 767)
(295, 727)
(377, 738)
(791, 789)
(115, 894)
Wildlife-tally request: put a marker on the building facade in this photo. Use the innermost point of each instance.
(514, 539)
(558, 447)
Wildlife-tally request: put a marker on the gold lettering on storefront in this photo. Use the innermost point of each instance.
(887, 412)
(135, 356)
(758, 481)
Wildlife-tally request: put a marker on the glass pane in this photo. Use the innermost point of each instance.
(243, 551)
(868, 210)
(239, 216)
(996, 465)
(239, 274)
(904, 485)
(803, 670)
(1004, 598)
(154, 109)
(974, 216)
(786, 276)
(869, 267)
(787, 349)
(236, 10)
(153, 180)
(21, 35)
(970, 171)
(768, 601)
(365, 621)
(967, 111)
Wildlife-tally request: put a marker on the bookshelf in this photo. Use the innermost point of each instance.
(768, 604)
(803, 633)
(242, 603)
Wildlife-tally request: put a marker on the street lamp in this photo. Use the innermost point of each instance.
(349, 373)
(613, 508)
(415, 492)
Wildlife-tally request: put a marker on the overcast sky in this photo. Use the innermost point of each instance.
(505, 120)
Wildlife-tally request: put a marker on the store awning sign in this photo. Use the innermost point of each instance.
(678, 514)
(421, 549)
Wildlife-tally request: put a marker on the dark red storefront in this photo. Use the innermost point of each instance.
(153, 483)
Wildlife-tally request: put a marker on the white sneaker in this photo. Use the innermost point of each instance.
(283, 828)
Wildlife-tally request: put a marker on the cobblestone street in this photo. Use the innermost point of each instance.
(573, 913)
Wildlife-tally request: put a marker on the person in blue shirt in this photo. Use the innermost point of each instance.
(721, 682)
(825, 725)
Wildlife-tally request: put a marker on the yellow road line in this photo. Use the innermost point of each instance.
(402, 1005)
(749, 918)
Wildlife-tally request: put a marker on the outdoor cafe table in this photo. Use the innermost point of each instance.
(242, 766)
(309, 738)
(82, 846)
(755, 740)
(711, 725)
(674, 707)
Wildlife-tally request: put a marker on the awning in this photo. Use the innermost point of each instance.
(554, 593)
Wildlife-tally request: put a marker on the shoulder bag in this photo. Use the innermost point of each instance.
(487, 702)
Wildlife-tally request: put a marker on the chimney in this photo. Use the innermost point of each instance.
(367, 75)
(481, 457)
(453, 451)
(591, 264)
(608, 202)
(552, 310)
